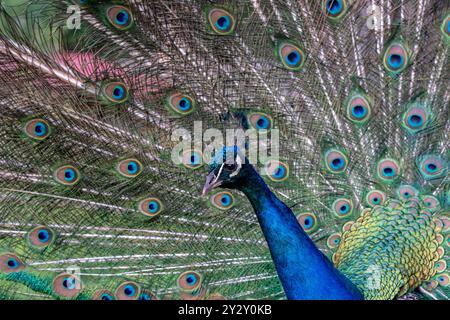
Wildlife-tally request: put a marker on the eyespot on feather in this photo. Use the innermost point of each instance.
(103, 295)
(10, 263)
(342, 207)
(180, 103)
(189, 281)
(415, 118)
(431, 203)
(192, 159)
(438, 225)
(334, 240)
(430, 285)
(334, 9)
(445, 27)
(335, 161)
(129, 168)
(37, 129)
(308, 221)
(40, 237)
(151, 207)
(445, 223)
(260, 121)
(347, 226)
(375, 198)
(442, 279)
(221, 21)
(67, 285)
(359, 109)
(405, 192)
(388, 170)
(440, 251)
(223, 200)
(396, 58)
(114, 92)
(120, 17)
(432, 167)
(440, 266)
(291, 56)
(67, 175)
(147, 295)
(128, 291)
(277, 171)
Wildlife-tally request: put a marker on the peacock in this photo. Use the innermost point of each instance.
(112, 114)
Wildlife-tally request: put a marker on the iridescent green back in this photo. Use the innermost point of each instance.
(390, 250)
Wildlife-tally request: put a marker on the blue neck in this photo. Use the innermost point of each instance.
(304, 271)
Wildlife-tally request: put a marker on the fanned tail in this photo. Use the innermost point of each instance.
(92, 205)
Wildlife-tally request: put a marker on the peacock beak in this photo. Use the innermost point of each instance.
(212, 181)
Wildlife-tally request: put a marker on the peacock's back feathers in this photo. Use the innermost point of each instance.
(93, 206)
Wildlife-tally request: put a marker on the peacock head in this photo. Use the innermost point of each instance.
(228, 168)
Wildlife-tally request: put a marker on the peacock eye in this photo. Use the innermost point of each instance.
(67, 285)
(358, 109)
(432, 167)
(405, 192)
(443, 279)
(334, 240)
(147, 295)
(375, 198)
(440, 266)
(221, 21)
(40, 237)
(129, 168)
(388, 170)
(9, 263)
(334, 9)
(445, 27)
(67, 175)
(189, 281)
(180, 103)
(106, 297)
(342, 207)
(103, 295)
(396, 58)
(415, 119)
(260, 121)
(308, 221)
(128, 291)
(223, 200)
(115, 92)
(432, 203)
(37, 129)
(276, 170)
(150, 207)
(335, 160)
(230, 166)
(291, 56)
(120, 17)
(192, 159)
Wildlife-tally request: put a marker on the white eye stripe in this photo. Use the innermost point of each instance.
(239, 166)
(218, 175)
